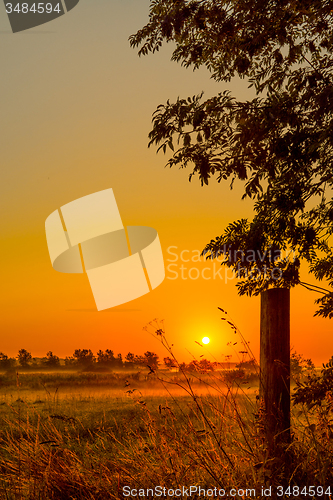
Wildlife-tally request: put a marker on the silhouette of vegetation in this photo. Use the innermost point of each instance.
(300, 367)
(95, 448)
(129, 360)
(316, 391)
(52, 443)
(169, 362)
(106, 357)
(5, 362)
(250, 365)
(24, 358)
(82, 359)
(280, 143)
(151, 360)
(85, 360)
(202, 365)
(51, 360)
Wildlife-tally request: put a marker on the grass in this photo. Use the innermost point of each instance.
(87, 436)
(99, 436)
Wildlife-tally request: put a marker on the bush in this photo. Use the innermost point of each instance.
(300, 366)
(317, 390)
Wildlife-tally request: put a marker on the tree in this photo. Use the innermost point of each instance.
(151, 360)
(129, 360)
(24, 358)
(139, 360)
(317, 390)
(119, 361)
(84, 357)
(280, 143)
(106, 358)
(169, 362)
(70, 362)
(5, 362)
(204, 365)
(299, 366)
(51, 360)
(250, 366)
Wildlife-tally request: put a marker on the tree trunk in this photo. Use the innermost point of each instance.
(275, 365)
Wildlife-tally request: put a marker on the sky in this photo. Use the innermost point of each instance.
(76, 108)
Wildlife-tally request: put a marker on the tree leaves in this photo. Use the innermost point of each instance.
(280, 143)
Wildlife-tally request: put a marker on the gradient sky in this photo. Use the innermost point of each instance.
(76, 111)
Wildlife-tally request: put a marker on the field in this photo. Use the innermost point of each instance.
(103, 436)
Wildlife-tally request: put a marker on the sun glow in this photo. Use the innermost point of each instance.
(205, 340)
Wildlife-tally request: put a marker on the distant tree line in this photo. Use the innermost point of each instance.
(81, 359)
(84, 359)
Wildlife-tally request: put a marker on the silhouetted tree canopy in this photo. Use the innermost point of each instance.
(24, 357)
(6, 363)
(84, 357)
(106, 357)
(51, 360)
(280, 143)
(169, 362)
(151, 360)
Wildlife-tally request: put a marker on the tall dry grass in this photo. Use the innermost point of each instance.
(91, 448)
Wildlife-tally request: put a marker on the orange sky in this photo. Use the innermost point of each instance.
(76, 112)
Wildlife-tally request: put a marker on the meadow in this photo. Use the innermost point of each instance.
(121, 435)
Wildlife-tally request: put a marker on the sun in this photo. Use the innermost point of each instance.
(205, 340)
